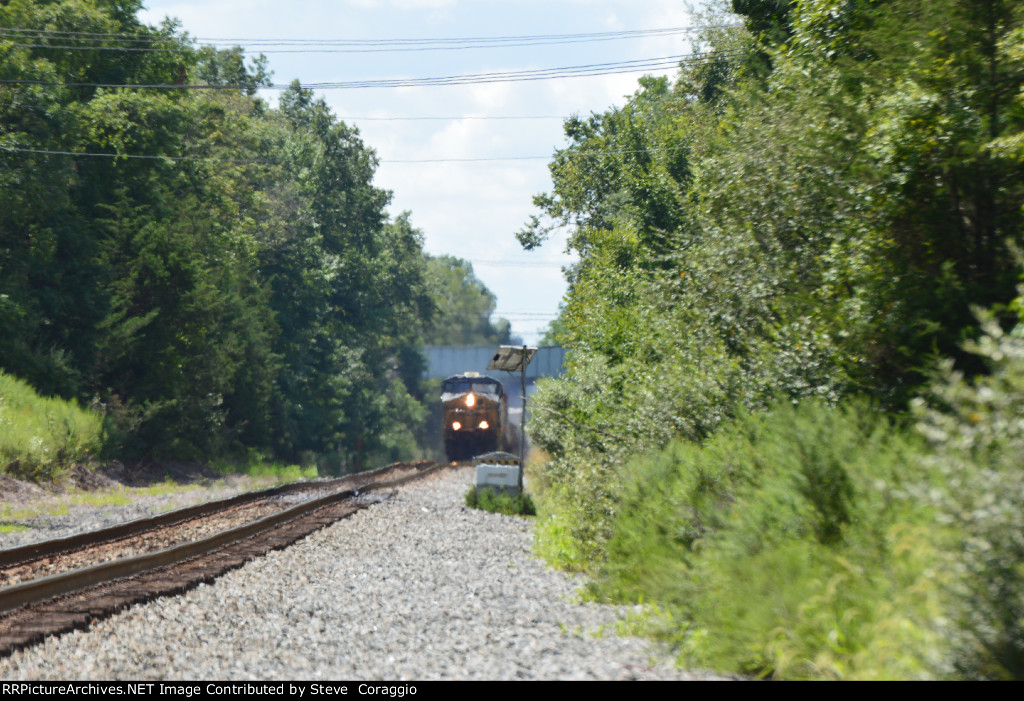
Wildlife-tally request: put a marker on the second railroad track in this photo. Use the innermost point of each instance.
(64, 584)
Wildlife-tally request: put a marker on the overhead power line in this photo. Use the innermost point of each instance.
(449, 119)
(547, 316)
(228, 161)
(516, 265)
(500, 262)
(75, 41)
(594, 69)
(368, 42)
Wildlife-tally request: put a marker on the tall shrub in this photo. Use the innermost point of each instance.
(977, 430)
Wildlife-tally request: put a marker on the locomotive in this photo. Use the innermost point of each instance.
(475, 411)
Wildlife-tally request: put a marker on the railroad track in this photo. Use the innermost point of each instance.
(64, 584)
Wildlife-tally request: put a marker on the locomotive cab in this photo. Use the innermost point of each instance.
(475, 415)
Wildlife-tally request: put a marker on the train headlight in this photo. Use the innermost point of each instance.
(470, 400)
(456, 425)
(484, 425)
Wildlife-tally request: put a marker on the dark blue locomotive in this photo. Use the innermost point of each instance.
(475, 411)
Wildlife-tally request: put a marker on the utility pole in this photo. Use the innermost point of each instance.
(522, 421)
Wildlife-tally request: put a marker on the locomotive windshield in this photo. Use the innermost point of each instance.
(477, 385)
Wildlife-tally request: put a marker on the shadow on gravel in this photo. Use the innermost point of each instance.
(144, 473)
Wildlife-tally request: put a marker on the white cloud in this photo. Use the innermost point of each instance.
(467, 209)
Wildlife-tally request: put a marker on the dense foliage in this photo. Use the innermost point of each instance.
(977, 432)
(792, 543)
(41, 437)
(216, 275)
(813, 212)
(464, 307)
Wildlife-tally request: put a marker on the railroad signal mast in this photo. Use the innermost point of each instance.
(512, 359)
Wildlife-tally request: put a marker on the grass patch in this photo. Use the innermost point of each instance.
(40, 437)
(48, 507)
(266, 471)
(500, 503)
(262, 475)
(168, 486)
(114, 497)
(61, 505)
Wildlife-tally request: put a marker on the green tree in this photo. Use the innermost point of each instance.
(952, 203)
(464, 306)
(220, 274)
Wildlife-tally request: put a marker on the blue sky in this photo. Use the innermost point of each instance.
(469, 209)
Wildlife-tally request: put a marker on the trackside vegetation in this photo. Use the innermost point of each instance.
(793, 418)
(41, 437)
(500, 502)
(216, 277)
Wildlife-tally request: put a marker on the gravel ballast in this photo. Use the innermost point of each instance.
(72, 518)
(415, 588)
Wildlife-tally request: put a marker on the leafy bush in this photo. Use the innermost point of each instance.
(500, 502)
(792, 544)
(39, 436)
(818, 541)
(977, 431)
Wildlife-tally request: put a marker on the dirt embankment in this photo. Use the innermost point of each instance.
(112, 475)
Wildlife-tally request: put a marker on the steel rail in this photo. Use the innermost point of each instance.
(64, 583)
(35, 551)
